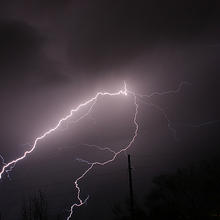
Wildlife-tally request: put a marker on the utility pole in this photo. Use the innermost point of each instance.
(131, 189)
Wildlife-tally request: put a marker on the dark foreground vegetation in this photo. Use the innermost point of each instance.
(189, 193)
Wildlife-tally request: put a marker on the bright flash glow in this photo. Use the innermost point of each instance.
(93, 99)
(7, 167)
(115, 154)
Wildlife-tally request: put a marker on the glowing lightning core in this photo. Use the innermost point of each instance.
(115, 154)
(7, 167)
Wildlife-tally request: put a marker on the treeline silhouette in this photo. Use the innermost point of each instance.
(189, 193)
(34, 207)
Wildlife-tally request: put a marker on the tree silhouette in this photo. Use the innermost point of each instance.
(191, 193)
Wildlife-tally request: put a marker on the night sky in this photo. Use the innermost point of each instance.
(56, 54)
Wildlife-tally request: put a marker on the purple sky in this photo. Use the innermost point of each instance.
(55, 54)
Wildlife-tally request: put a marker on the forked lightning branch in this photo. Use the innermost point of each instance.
(7, 167)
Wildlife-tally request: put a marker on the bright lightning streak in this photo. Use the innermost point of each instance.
(10, 169)
(93, 99)
(115, 154)
(7, 167)
(84, 115)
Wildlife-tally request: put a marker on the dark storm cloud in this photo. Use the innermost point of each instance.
(25, 70)
(22, 57)
(19, 45)
(99, 36)
(76, 41)
(111, 34)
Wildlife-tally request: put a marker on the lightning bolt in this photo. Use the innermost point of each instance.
(10, 169)
(50, 131)
(7, 167)
(124, 148)
(115, 154)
